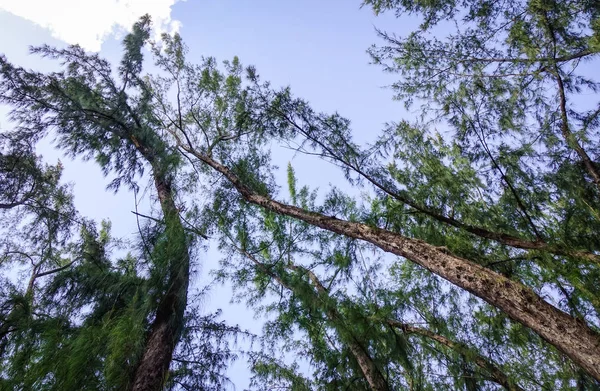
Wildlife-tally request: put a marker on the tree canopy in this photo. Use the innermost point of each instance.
(469, 260)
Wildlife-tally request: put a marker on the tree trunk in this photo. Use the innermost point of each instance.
(571, 336)
(153, 367)
(374, 377)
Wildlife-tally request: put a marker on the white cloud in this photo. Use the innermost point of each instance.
(90, 22)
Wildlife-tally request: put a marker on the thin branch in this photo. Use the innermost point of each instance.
(148, 217)
(58, 269)
(500, 237)
(565, 129)
(504, 177)
(190, 228)
(515, 259)
(496, 373)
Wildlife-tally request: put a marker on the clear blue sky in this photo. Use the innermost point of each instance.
(316, 47)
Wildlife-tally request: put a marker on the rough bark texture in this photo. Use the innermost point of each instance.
(151, 373)
(373, 375)
(153, 367)
(496, 374)
(571, 336)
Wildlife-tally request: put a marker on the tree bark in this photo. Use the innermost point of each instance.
(571, 336)
(373, 375)
(152, 370)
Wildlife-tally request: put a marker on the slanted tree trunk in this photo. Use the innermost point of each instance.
(571, 336)
(371, 372)
(374, 377)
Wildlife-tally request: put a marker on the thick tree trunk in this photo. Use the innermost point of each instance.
(571, 336)
(153, 367)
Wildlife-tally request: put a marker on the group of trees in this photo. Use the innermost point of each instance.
(472, 262)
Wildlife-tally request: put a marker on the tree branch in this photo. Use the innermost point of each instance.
(497, 375)
(573, 337)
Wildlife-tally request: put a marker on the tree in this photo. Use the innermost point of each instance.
(129, 338)
(501, 206)
(44, 224)
(444, 176)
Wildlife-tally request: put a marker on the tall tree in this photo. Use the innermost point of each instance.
(230, 124)
(502, 204)
(474, 206)
(575, 338)
(93, 114)
(323, 289)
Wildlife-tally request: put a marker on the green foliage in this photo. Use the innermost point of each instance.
(83, 319)
(499, 168)
(494, 170)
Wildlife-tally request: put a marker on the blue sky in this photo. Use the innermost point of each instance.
(316, 47)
